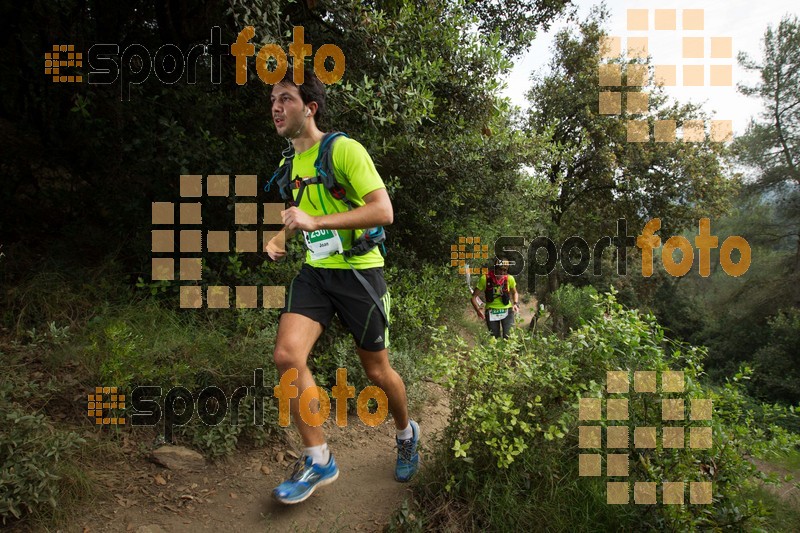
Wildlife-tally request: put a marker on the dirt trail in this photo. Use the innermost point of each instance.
(235, 495)
(787, 491)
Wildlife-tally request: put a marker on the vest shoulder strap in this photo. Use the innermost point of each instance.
(283, 174)
(324, 170)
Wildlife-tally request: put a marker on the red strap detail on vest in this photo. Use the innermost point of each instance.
(338, 192)
(495, 280)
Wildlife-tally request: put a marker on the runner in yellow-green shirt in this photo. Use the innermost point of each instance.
(499, 291)
(332, 280)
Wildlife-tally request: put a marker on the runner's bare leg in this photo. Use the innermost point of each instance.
(296, 336)
(381, 373)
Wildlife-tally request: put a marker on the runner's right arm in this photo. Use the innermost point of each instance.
(475, 294)
(276, 247)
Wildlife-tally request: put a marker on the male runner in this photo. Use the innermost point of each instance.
(326, 284)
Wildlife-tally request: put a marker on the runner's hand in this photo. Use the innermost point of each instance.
(515, 308)
(480, 314)
(276, 247)
(294, 218)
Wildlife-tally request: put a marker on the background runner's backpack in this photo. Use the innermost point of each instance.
(491, 283)
(371, 237)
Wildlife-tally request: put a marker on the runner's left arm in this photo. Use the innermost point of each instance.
(514, 298)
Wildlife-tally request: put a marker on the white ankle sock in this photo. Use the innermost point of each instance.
(405, 434)
(319, 454)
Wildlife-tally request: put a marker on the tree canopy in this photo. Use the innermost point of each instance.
(595, 173)
(420, 91)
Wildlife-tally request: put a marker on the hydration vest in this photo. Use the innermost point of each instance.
(323, 165)
(371, 237)
(491, 283)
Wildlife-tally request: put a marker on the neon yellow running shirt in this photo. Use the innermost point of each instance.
(356, 172)
(497, 290)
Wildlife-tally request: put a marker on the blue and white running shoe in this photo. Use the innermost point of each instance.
(407, 456)
(305, 479)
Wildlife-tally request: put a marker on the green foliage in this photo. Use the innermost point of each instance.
(777, 375)
(405, 520)
(509, 455)
(575, 305)
(751, 319)
(680, 311)
(731, 316)
(593, 174)
(771, 144)
(150, 344)
(52, 336)
(34, 456)
(783, 517)
(41, 297)
(417, 300)
(516, 20)
(422, 83)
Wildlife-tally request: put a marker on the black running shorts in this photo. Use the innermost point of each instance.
(318, 293)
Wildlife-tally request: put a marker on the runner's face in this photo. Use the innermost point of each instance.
(288, 109)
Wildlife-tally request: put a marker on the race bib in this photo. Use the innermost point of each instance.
(496, 315)
(323, 243)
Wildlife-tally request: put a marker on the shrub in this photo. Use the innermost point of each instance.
(509, 456)
(777, 364)
(33, 456)
(150, 344)
(574, 305)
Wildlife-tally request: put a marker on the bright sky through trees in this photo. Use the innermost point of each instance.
(743, 20)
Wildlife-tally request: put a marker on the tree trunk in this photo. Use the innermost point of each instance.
(553, 281)
(552, 286)
(797, 274)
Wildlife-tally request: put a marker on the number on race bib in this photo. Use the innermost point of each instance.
(497, 314)
(323, 243)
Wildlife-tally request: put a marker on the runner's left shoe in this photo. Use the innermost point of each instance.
(407, 456)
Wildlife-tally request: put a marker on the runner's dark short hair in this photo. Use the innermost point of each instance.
(311, 90)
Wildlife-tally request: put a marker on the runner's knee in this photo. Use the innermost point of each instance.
(286, 359)
(377, 373)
